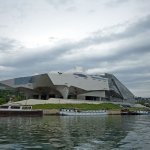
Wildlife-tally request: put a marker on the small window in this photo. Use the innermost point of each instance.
(26, 107)
(4, 107)
(15, 107)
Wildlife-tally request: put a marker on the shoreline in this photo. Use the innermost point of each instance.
(52, 106)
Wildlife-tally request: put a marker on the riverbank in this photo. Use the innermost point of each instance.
(53, 105)
(53, 109)
(104, 106)
(112, 109)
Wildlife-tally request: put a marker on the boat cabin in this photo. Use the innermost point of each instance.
(16, 107)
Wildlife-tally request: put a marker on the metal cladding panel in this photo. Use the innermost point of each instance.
(42, 80)
(9, 82)
(82, 81)
(26, 82)
(23, 80)
(19, 82)
(94, 93)
(5, 87)
(118, 87)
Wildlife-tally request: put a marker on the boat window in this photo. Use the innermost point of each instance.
(4, 107)
(15, 107)
(26, 107)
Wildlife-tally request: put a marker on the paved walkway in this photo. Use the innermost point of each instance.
(55, 101)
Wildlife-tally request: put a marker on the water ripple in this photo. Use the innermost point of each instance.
(79, 133)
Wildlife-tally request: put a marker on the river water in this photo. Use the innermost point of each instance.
(75, 132)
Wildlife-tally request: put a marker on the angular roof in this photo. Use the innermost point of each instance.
(83, 81)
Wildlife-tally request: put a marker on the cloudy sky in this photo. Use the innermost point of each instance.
(38, 36)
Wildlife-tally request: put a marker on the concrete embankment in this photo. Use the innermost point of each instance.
(51, 112)
(114, 112)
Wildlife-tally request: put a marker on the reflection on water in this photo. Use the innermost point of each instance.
(75, 132)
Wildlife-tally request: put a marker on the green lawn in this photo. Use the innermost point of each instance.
(108, 106)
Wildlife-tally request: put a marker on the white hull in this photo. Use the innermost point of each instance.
(19, 110)
(142, 112)
(83, 113)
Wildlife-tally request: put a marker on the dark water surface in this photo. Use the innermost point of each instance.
(75, 132)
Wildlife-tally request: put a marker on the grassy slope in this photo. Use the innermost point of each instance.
(108, 106)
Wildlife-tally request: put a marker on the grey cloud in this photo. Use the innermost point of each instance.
(3, 26)
(60, 3)
(92, 11)
(130, 51)
(17, 10)
(139, 85)
(56, 52)
(127, 53)
(37, 57)
(71, 9)
(114, 3)
(117, 3)
(67, 5)
(7, 44)
(134, 77)
(133, 30)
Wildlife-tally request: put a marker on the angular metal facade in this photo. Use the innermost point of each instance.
(74, 86)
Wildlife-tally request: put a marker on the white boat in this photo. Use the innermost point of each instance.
(15, 107)
(138, 112)
(142, 112)
(76, 112)
(19, 110)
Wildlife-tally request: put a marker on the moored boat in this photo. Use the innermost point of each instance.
(19, 110)
(142, 112)
(135, 112)
(76, 112)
